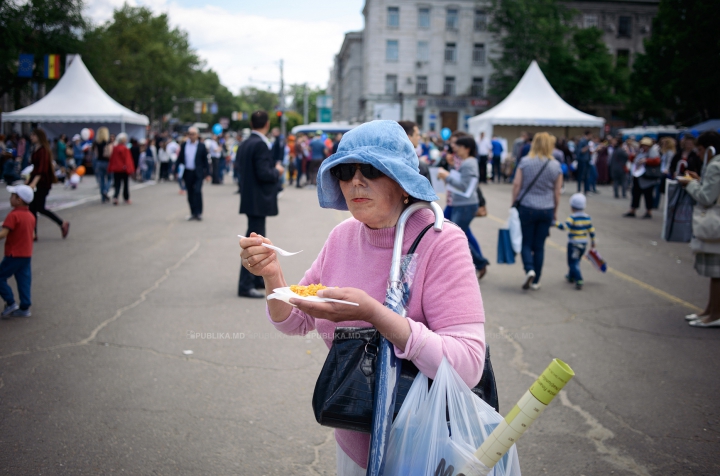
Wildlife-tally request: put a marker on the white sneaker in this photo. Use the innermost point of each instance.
(9, 310)
(529, 276)
(535, 286)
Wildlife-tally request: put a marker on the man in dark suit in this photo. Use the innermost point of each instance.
(260, 184)
(194, 157)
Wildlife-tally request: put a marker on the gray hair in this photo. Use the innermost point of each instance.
(193, 129)
(121, 138)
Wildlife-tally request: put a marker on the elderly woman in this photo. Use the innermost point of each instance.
(536, 193)
(374, 174)
(122, 166)
(706, 192)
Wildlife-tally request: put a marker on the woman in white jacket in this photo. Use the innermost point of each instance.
(706, 192)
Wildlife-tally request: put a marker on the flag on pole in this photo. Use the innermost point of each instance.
(25, 65)
(52, 66)
(204, 108)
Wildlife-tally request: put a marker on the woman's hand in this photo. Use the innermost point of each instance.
(443, 174)
(683, 180)
(336, 312)
(257, 259)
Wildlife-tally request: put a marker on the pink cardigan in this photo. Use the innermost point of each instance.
(445, 307)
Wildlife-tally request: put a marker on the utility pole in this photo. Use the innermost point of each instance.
(282, 102)
(305, 104)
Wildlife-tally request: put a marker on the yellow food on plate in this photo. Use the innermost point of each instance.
(309, 290)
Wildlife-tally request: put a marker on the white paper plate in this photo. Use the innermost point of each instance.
(285, 294)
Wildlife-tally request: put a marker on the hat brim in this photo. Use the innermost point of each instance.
(408, 177)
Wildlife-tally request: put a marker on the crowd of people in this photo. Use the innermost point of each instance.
(538, 165)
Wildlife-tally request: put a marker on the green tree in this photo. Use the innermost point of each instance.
(677, 78)
(526, 30)
(36, 27)
(297, 91)
(575, 61)
(140, 61)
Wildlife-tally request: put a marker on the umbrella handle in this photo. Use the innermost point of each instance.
(388, 365)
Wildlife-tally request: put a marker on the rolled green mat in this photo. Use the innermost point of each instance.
(528, 408)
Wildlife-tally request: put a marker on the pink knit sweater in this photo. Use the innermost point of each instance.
(445, 308)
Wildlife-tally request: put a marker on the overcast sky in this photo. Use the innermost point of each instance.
(243, 39)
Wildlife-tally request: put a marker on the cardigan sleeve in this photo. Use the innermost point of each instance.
(299, 323)
(707, 193)
(453, 309)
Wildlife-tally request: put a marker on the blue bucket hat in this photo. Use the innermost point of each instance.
(385, 146)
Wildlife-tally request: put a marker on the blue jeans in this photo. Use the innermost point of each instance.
(462, 216)
(20, 268)
(592, 178)
(102, 177)
(583, 174)
(447, 213)
(535, 226)
(575, 252)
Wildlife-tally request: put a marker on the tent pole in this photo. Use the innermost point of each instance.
(122, 125)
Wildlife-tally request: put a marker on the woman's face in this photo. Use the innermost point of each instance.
(33, 138)
(701, 151)
(377, 203)
(462, 151)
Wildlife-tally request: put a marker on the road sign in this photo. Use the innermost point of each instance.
(197, 107)
(324, 102)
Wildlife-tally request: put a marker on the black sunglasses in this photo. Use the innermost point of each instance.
(345, 172)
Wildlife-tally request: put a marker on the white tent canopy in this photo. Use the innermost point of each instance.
(78, 98)
(533, 102)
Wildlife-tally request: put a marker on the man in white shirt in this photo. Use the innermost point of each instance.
(194, 157)
(215, 153)
(484, 151)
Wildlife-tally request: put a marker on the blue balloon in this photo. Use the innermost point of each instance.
(217, 129)
(445, 133)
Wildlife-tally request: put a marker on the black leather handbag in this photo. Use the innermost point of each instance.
(344, 391)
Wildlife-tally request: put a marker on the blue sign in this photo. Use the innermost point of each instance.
(25, 65)
(217, 129)
(445, 133)
(213, 108)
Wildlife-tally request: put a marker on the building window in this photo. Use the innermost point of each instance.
(450, 52)
(625, 27)
(623, 58)
(449, 86)
(424, 17)
(393, 17)
(478, 87)
(423, 51)
(590, 21)
(451, 19)
(391, 50)
(421, 85)
(479, 54)
(391, 84)
(480, 20)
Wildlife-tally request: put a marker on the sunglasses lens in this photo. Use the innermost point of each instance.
(345, 172)
(369, 171)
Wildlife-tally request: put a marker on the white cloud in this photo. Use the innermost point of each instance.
(239, 46)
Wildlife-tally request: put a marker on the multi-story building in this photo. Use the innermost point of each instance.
(428, 60)
(418, 60)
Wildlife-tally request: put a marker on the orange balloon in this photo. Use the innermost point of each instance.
(80, 170)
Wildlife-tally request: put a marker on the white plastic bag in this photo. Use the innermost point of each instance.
(513, 224)
(438, 431)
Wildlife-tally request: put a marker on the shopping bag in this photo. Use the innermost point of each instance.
(677, 216)
(505, 253)
(597, 261)
(437, 431)
(513, 224)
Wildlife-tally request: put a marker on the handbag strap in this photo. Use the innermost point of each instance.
(542, 169)
(415, 244)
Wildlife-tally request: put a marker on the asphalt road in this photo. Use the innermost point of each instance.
(97, 381)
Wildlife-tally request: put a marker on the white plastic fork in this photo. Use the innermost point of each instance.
(279, 250)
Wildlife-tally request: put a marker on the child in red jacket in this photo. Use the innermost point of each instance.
(19, 229)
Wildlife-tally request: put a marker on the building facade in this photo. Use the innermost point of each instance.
(428, 60)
